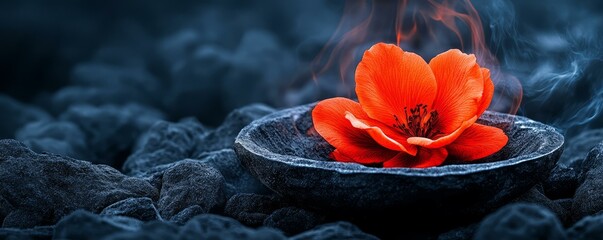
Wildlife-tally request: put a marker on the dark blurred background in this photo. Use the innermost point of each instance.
(204, 58)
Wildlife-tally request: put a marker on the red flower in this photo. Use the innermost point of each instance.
(411, 114)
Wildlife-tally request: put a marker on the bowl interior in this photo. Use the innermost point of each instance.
(302, 146)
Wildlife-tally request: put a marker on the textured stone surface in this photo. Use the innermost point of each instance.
(85, 225)
(111, 131)
(59, 137)
(536, 196)
(224, 136)
(521, 221)
(252, 209)
(334, 231)
(16, 115)
(293, 220)
(563, 181)
(139, 208)
(280, 151)
(577, 147)
(190, 183)
(44, 232)
(42, 188)
(164, 143)
(589, 228)
(588, 199)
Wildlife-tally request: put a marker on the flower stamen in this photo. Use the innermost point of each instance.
(420, 122)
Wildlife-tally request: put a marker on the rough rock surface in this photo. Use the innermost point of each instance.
(16, 115)
(293, 220)
(42, 188)
(588, 199)
(85, 225)
(190, 183)
(588, 228)
(521, 221)
(139, 208)
(252, 209)
(337, 230)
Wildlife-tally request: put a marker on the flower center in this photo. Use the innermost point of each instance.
(419, 123)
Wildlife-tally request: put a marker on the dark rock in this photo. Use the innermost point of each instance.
(578, 146)
(588, 199)
(196, 76)
(190, 183)
(43, 232)
(521, 221)
(562, 182)
(111, 130)
(588, 228)
(237, 176)
(164, 143)
(139, 208)
(60, 137)
(536, 196)
(206, 226)
(282, 153)
(209, 226)
(98, 84)
(256, 50)
(334, 231)
(16, 114)
(293, 220)
(224, 136)
(252, 209)
(187, 214)
(461, 233)
(43, 187)
(85, 225)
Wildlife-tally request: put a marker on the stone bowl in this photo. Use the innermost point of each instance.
(283, 151)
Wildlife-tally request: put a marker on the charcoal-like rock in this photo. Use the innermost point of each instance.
(578, 146)
(85, 225)
(100, 84)
(42, 232)
(293, 220)
(588, 199)
(60, 137)
(334, 231)
(562, 182)
(43, 187)
(521, 221)
(252, 209)
(139, 208)
(197, 76)
(536, 196)
(111, 130)
(206, 226)
(237, 176)
(588, 228)
(164, 143)
(16, 114)
(224, 136)
(187, 214)
(461, 233)
(190, 183)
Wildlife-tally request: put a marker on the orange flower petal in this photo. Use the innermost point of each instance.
(478, 141)
(377, 131)
(330, 122)
(425, 158)
(389, 79)
(488, 92)
(340, 157)
(460, 87)
(444, 140)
